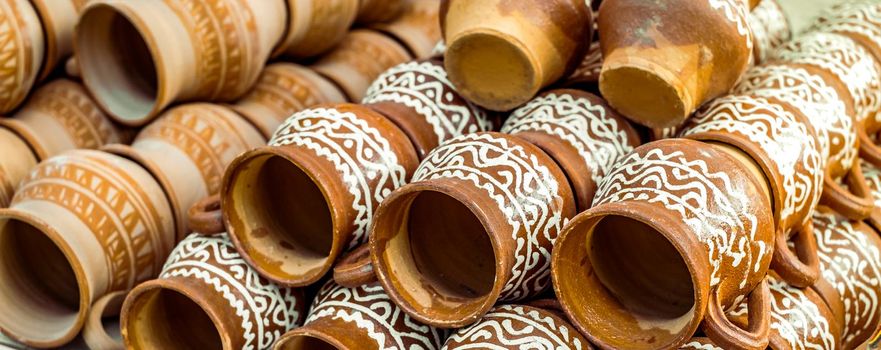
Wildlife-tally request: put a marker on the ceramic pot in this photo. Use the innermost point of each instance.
(579, 131)
(588, 71)
(514, 326)
(770, 29)
(283, 89)
(359, 318)
(679, 232)
(58, 18)
(98, 334)
(17, 161)
(785, 147)
(315, 26)
(371, 11)
(418, 26)
(347, 67)
(850, 258)
(501, 53)
(475, 226)
(139, 57)
(700, 343)
(207, 297)
(24, 51)
(418, 97)
(81, 225)
(872, 174)
(295, 205)
(657, 72)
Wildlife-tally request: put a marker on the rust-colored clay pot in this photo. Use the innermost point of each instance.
(418, 26)
(680, 231)
(23, 51)
(580, 131)
(515, 326)
(83, 224)
(59, 18)
(316, 26)
(295, 205)
(657, 71)
(500, 53)
(588, 71)
(770, 29)
(15, 164)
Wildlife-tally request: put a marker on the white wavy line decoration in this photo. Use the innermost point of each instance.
(736, 12)
(509, 326)
(769, 26)
(699, 346)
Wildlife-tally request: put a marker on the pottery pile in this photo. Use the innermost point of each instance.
(439, 174)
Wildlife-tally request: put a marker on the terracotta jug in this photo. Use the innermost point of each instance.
(418, 97)
(315, 26)
(679, 232)
(784, 145)
(770, 29)
(24, 51)
(657, 72)
(138, 57)
(418, 26)
(16, 162)
(98, 334)
(207, 297)
(283, 89)
(501, 53)
(371, 11)
(348, 65)
(59, 17)
(579, 131)
(515, 326)
(295, 205)
(474, 227)
(82, 224)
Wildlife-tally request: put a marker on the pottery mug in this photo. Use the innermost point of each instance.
(516, 327)
(770, 29)
(24, 51)
(16, 163)
(315, 26)
(418, 26)
(59, 19)
(101, 331)
(501, 53)
(81, 225)
(679, 232)
(588, 71)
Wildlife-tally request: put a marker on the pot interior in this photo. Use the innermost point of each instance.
(167, 319)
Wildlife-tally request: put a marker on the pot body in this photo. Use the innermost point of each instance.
(59, 19)
(511, 326)
(770, 29)
(24, 48)
(15, 165)
(418, 26)
(316, 26)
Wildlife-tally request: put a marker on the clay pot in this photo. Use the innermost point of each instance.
(16, 162)
(700, 343)
(207, 297)
(315, 26)
(138, 57)
(83, 224)
(850, 258)
(348, 67)
(98, 334)
(656, 71)
(418, 26)
(58, 17)
(579, 131)
(512, 326)
(295, 205)
(785, 147)
(501, 53)
(475, 226)
(679, 232)
(872, 173)
(24, 51)
(770, 29)
(282, 90)
(371, 11)
(419, 99)
(859, 20)
(588, 71)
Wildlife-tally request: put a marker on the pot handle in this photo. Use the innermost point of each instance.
(802, 267)
(206, 217)
(355, 269)
(856, 204)
(94, 334)
(727, 335)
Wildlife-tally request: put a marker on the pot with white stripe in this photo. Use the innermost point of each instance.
(514, 326)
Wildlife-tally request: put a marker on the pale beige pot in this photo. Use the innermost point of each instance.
(315, 26)
(59, 17)
(16, 162)
(23, 51)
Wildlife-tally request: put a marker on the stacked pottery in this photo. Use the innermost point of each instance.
(770, 29)
(518, 326)
(417, 27)
(371, 11)
(59, 19)
(872, 174)
(17, 161)
(23, 51)
(316, 26)
(101, 330)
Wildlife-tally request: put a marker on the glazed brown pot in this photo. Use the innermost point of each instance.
(770, 29)
(474, 227)
(501, 53)
(680, 231)
(58, 17)
(24, 51)
(83, 224)
(361, 318)
(418, 26)
(16, 162)
(418, 97)
(315, 26)
(515, 326)
(784, 145)
(138, 57)
(580, 131)
(656, 71)
(295, 205)
(283, 89)
(207, 297)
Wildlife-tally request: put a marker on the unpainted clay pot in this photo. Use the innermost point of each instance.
(17, 161)
(59, 18)
(501, 53)
(359, 59)
(372, 11)
(657, 71)
(770, 29)
(513, 326)
(680, 231)
(99, 334)
(784, 146)
(284, 89)
(474, 227)
(315, 26)
(207, 297)
(418, 97)
(138, 57)
(579, 131)
(418, 26)
(850, 258)
(293, 206)
(23, 51)
(83, 224)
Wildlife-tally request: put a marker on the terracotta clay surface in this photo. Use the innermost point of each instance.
(418, 27)
(59, 18)
(770, 29)
(371, 11)
(316, 26)
(515, 326)
(23, 51)
(98, 335)
(16, 163)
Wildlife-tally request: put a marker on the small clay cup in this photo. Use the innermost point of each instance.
(58, 17)
(15, 164)
(295, 205)
(418, 97)
(580, 131)
(786, 148)
(657, 71)
(283, 89)
(82, 224)
(348, 65)
(418, 26)
(680, 231)
(24, 51)
(100, 334)
(138, 57)
(360, 318)
(315, 26)
(501, 53)
(207, 297)
(372, 11)
(474, 227)
(513, 326)
(770, 29)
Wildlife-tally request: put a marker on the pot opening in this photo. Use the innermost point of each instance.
(305, 342)
(167, 319)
